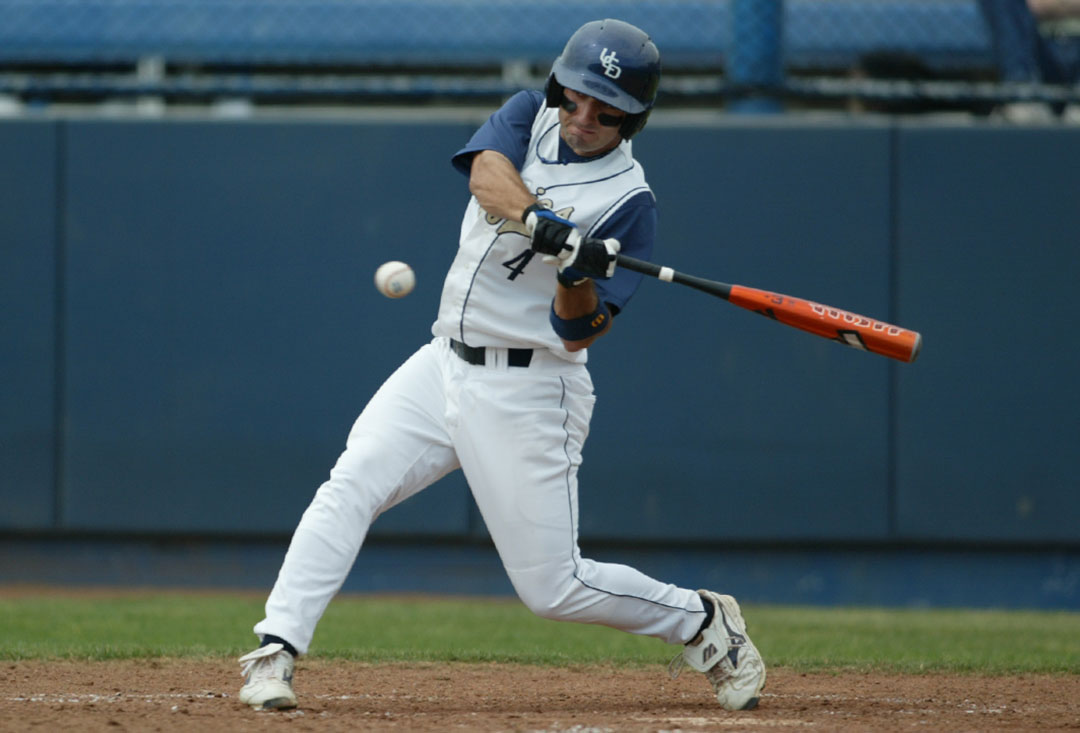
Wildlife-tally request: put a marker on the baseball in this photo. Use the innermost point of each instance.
(395, 279)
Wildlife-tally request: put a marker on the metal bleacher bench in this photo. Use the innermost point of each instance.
(404, 33)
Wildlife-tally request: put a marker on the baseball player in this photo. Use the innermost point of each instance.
(502, 391)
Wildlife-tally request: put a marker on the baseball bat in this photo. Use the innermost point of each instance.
(837, 325)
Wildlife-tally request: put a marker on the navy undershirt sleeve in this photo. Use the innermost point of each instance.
(634, 225)
(507, 131)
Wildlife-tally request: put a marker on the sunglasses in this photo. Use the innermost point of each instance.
(604, 119)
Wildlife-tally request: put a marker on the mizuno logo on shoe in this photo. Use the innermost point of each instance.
(734, 637)
(708, 653)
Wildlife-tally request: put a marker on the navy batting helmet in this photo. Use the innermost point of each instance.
(614, 62)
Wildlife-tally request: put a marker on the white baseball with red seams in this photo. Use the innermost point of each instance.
(395, 279)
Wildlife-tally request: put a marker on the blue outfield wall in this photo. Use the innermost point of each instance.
(190, 327)
(987, 251)
(701, 403)
(223, 331)
(29, 288)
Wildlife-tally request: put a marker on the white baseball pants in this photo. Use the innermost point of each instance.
(517, 433)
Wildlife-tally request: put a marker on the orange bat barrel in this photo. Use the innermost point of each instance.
(838, 325)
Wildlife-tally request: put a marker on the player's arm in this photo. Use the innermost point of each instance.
(495, 154)
(584, 308)
(581, 304)
(497, 185)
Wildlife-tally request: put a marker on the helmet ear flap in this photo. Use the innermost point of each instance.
(633, 123)
(553, 90)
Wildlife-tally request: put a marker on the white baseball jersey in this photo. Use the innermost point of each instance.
(497, 293)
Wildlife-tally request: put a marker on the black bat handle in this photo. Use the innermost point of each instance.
(712, 287)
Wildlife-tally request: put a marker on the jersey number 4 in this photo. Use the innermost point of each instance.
(517, 265)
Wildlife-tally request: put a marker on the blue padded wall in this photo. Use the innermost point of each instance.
(713, 423)
(989, 420)
(223, 331)
(28, 292)
(218, 330)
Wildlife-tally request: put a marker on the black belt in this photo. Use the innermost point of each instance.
(478, 354)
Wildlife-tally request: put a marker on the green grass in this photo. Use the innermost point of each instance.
(379, 629)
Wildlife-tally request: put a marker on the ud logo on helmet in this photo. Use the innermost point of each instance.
(611, 64)
(613, 61)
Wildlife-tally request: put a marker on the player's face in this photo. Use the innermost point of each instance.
(590, 127)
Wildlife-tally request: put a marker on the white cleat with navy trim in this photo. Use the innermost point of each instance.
(725, 654)
(268, 674)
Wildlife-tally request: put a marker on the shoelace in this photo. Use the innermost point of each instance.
(260, 667)
(717, 676)
(676, 665)
(714, 674)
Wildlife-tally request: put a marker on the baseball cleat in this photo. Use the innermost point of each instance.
(725, 654)
(268, 674)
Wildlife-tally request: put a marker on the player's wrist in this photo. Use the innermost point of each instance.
(534, 207)
(570, 278)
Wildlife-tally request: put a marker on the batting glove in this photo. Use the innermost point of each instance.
(548, 232)
(588, 256)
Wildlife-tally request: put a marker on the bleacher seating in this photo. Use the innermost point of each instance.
(692, 33)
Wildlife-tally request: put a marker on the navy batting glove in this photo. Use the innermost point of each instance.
(547, 231)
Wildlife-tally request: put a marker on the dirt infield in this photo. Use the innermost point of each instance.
(171, 695)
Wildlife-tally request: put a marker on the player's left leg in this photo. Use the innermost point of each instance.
(724, 653)
(519, 442)
(520, 448)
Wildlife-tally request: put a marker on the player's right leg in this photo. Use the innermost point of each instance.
(268, 674)
(397, 446)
